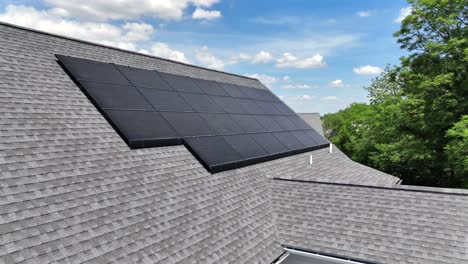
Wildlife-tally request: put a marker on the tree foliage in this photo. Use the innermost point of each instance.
(414, 126)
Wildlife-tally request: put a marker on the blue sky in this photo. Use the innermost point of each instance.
(316, 55)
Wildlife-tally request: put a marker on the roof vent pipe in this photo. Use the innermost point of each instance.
(331, 148)
(310, 160)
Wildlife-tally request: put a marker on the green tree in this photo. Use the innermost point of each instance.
(409, 125)
(457, 151)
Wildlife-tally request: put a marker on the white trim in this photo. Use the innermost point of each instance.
(282, 258)
(321, 257)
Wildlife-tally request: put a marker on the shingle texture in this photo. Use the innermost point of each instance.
(73, 192)
(326, 167)
(384, 225)
(313, 119)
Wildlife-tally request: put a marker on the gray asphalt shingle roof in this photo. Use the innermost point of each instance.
(313, 119)
(71, 191)
(387, 225)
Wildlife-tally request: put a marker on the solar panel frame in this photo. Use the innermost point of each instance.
(201, 103)
(210, 87)
(88, 70)
(181, 83)
(115, 96)
(165, 100)
(183, 124)
(257, 127)
(144, 78)
(230, 105)
(214, 153)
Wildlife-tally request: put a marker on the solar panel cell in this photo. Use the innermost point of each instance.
(289, 140)
(164, 100)
(214, 153)
(141, 125)
(285, 123)
(248, 123)
(144, 78)
(222, 123)
(233, 90)
(107, 95)
(188, 124)
(211, 87)
(245, 146)
(251, 106)
(269, 143)
(268, 108)
(89, 70)
(201, 103)
(181, 83)
(268, 122)
(230, 105)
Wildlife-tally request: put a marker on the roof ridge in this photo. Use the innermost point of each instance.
(120, 49)
(405, 188)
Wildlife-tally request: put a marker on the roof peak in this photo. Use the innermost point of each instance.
(119, 49)
(405, 188)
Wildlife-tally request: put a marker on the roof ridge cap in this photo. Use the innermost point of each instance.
(404, 188)
(120, 49)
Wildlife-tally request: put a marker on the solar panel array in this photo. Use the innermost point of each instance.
(224, 125)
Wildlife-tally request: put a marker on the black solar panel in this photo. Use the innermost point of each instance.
(144, 78)
(108, 95)
(188, 124)
(268, 122)
(248, 123)
(138, 126)
(181, 83)
(201, 103)
(224, 125)
(233, 90)
(289, 140)
(211, 87)
(89, 70)
(246, 146)
(214, 153)
(251, 106)
(270, 143)
(230, 105)
(163, 100)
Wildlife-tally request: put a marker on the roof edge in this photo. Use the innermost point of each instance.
(403, 188)
(120, 49)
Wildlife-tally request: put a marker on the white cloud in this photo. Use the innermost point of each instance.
(329, 98)
(336, 83)
(299, 86)
(262, 57)
(404, 12)
(238, 58)
(243, 56)
(209, 60)
(201, 13)
(367, 70)
(288, 60)
(127, 9)
(286, 78)
(265, 79)
(300, 98)
(126, 36)
(305, 97)
(163, 50)
(364, 13)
